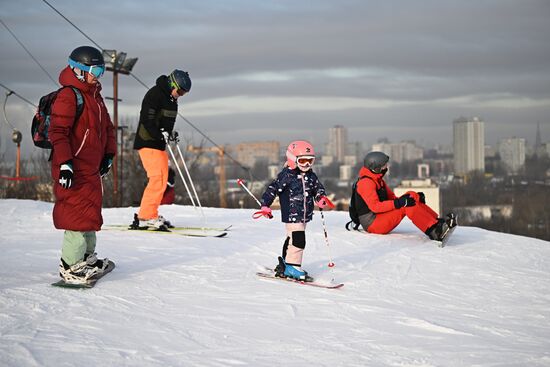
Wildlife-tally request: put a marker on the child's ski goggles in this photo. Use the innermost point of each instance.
(305, 160)
(96, 70)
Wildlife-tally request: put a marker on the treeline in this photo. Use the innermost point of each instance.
(527, 193)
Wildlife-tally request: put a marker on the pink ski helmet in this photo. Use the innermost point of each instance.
(300, 153)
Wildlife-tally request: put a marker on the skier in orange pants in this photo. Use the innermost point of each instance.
(159, 110)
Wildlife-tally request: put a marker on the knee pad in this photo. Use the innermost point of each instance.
(299, 239)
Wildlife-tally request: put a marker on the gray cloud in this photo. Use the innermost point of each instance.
(399, 69)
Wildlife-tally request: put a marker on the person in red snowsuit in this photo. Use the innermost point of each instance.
(380, 210)
(83, 152)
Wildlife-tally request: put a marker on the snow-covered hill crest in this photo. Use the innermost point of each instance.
(181, 301)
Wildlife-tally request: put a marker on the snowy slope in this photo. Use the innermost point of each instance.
(483, 300)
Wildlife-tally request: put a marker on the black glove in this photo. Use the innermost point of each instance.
(66, 174)
(106, 164)
(167, 137)
(422, 197)
(405, 200)
(175, 137)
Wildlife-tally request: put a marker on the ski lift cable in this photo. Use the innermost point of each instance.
(28, 52)
(246, 169)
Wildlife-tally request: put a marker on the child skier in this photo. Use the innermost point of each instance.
(298, 189)
(380, 211)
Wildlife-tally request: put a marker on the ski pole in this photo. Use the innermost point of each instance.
(240, 181)
(189, 176)
(260, 213)
(181, 174)
(330, 262)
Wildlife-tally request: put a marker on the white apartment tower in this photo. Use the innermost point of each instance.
(512, 153)
(337, 142)
(468, 145)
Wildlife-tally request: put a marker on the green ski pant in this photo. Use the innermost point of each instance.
(76, 245)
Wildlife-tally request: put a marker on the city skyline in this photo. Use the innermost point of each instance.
(264, 70)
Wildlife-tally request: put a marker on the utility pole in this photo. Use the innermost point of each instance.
(16, 137)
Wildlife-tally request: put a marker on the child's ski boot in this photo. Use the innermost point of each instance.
(284, 270)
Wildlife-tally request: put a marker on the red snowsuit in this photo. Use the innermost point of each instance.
(387, 216)
(85, 142)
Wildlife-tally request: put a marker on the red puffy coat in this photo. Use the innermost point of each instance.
(85, 142)
(368, 188)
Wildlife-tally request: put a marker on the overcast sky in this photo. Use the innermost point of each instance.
(287, 70)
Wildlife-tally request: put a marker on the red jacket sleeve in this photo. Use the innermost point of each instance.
(367, 189)
(61, 124)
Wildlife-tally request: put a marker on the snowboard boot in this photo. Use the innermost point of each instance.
(94, 261)
(451, 219)
(438, 231)
(79, 273)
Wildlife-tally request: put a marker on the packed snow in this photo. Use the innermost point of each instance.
(484, 300)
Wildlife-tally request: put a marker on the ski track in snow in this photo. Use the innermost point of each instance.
(179, 301)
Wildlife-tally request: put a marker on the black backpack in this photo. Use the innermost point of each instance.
(353, 213)
(41, 120)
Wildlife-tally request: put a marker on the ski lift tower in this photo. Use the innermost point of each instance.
(118, 64)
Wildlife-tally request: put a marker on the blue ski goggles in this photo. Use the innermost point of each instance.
(96, 70)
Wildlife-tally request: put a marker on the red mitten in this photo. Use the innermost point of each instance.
(264, 212)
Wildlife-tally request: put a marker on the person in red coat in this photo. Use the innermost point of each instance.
(169, 193)
(83, 151)
(380, 210)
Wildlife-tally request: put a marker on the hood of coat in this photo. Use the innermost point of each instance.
(164, 84)
(68, 79)
(367, 172)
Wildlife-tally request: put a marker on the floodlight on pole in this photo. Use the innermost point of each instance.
(118, 63)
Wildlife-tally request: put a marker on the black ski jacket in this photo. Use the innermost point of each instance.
(158, 111)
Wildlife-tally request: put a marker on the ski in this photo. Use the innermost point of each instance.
(125, 226)
(91, 282)
(189, 232)
(271, 275)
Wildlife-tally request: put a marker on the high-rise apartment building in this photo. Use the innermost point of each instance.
(468, 145)
(337, 142)
(512, 153)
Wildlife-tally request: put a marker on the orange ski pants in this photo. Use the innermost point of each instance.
(422, 216)
(155, 163)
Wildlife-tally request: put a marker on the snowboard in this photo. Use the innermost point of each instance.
(446, 239)
(91, 282)
(270, 274)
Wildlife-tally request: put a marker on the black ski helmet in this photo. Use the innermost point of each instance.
(87, 55)
(179, 79)
(375, 161)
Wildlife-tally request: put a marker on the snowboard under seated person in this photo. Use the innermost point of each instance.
(298, 189)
